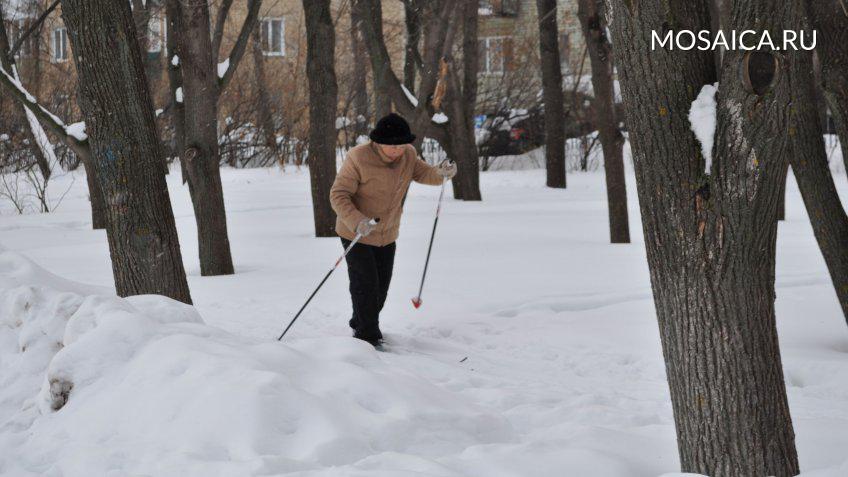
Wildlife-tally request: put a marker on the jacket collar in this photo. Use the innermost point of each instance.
(385, 160)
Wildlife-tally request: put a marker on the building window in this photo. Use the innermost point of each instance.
(60, 44)
(273, 37)
(493, 54)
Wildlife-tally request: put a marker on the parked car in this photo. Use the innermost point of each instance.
(511, 132)
(517, 131)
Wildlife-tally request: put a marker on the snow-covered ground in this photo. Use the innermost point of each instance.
(535, 353)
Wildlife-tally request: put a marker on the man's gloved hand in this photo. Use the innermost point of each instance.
(365, 227)
(447, 169)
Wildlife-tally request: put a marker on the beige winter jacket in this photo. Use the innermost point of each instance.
(369, 185)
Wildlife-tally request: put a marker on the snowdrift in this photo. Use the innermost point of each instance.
(93, 384)
(96, 385)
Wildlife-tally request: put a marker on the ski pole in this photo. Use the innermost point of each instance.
(416, 302)
(347, 250)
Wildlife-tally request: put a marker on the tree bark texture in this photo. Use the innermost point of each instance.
(460, 101)
(710, 238)
(831, 21)
(142, 17)
(126, 153)
(199, 73)
(323, 100)
(808, 158)
(781, 205)
(265, 118)
(412, 20)
(175, 82)
(379, 70)
(552, 93)
(360, 76)
(612, 141)
(95, 195)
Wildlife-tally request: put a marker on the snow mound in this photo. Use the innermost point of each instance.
(94, 384)
(17, 270)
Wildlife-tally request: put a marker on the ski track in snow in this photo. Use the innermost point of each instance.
(527, 314)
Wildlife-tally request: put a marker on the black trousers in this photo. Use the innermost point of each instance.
(370, 271)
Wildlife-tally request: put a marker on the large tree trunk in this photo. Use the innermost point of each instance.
(811, 170)
(781, 205)
(175, 83)
(831, 22)
(412, 20)
(718, 21)
(95, 195)
(461, 100)
(711, 239)
(323, 100)
(612, 141)
(360, 75)
(265, 118)
(379, 70)
(126, 153)
(141, 18)
(818, 91)
(198, 65)
(552, 93)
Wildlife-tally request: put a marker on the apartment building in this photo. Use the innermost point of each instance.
(508, 49)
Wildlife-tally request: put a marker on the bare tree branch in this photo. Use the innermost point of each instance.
(46, 118)
(411, 57)
(39, 145)
(241, 43)
(220, 21)
(32, 28)
(432, 48)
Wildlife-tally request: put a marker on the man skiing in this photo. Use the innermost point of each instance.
(372, 184)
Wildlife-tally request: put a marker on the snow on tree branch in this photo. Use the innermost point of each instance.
(77, 130)
(32, 28)
(41, 139)
(410, 96)
(223, 67)
(74, 135)
(220, 22)
(240, 45)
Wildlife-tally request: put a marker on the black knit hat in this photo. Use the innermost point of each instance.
(392, 129)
